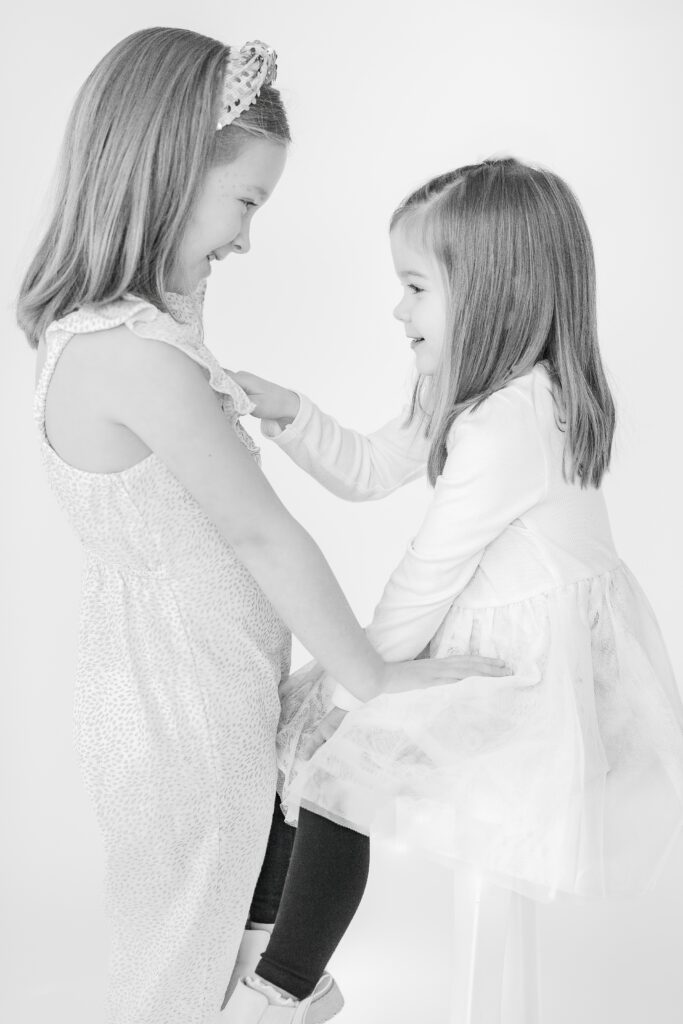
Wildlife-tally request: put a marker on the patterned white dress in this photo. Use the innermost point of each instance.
(565, 776)
(176, 706)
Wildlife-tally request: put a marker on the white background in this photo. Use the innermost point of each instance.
(380, 97)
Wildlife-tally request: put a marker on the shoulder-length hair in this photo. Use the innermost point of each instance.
(518, 263)
(139, 140)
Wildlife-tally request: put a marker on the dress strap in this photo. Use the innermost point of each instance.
(53, 351)
(183, 330)
(85, 320)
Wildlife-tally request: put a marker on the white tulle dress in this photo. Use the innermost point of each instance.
(566, 776)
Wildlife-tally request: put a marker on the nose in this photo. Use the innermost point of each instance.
(401, 310)
(242, 243)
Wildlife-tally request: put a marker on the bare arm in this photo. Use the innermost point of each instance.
(162, 396)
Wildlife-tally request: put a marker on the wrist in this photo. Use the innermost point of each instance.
(366, 682)
(345, 700)
(374, 681)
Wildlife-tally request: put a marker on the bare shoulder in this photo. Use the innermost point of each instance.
(119, 349)
(120, 366)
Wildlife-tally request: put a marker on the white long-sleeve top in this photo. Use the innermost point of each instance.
(503, 524)
(544, 777)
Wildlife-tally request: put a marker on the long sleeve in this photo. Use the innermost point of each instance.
(494, 473)
(355, 466)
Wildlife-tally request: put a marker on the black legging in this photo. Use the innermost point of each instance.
(271, 881)
(317, 897)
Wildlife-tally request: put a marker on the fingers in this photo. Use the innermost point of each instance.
(475, 665)
(327, 727)
(334, 719)
(489, 667)
(247, 381)
(309, 747)
(315, 740)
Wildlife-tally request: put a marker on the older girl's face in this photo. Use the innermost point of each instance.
(221, 218)
(424, 305)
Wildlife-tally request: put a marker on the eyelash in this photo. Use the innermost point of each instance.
(414, 289)
(247, 202)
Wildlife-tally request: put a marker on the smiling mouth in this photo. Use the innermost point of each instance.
(414, 342)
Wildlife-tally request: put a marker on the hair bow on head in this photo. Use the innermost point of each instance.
(247, 70)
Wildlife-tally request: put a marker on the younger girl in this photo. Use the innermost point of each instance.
(568, 775)
(173, 143)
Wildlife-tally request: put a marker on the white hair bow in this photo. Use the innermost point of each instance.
(246, 72)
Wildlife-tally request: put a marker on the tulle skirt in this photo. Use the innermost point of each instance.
(566, 776)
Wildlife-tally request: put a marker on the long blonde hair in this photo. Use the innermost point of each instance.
(138, 143)
(518, 261)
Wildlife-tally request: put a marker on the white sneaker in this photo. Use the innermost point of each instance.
(252, 946)
(256, 1002)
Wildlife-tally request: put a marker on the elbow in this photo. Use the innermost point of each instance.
(361, 492)
(265, 543)
(249, 543)
(247, 533)
(377, 492)
(261, 556)
(376, 495)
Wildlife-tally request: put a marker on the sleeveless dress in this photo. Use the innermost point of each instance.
(176, 703)
(565, 776)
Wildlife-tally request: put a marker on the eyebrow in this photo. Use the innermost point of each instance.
(412, 273)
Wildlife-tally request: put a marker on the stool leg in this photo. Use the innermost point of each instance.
(482, 914)
(521, 990)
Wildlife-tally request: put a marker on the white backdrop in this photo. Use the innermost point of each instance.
(381, 95)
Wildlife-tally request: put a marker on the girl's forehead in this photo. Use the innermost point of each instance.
(408, 246)
(257, 166)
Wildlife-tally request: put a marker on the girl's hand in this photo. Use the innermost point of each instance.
(412, 675)
(419, 675)
(327, 727)
(272, 401)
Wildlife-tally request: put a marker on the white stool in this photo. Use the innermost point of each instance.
(496, 955)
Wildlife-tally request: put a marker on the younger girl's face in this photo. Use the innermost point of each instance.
(221, 218)
(424, 306)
